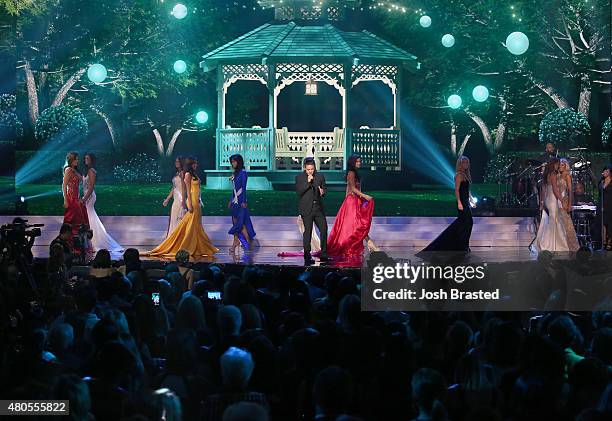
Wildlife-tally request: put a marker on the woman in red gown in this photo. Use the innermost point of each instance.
(354, 218)
(74, 209)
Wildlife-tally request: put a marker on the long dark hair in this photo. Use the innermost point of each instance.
(351, 165)
(188, 167)
(92, 158)
(238, 158)
(550, 168)
(181, 160)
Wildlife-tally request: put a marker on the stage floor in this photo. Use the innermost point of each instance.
(494, 239)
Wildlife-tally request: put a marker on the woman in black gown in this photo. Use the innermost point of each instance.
(456, 237)
(605, 205)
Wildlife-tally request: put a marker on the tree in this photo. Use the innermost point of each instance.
(563, 126)
(60, 124)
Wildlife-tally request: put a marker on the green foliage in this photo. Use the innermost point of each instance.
(141, 168)
(60, 124)
(606, 132)
(564, 127)
(496, 165)
(8, 118)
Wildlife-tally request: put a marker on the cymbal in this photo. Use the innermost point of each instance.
(578, 149)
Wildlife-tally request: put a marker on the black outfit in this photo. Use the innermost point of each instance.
(582, 198)
(545, 157)
(605, 206)
(67, 250)
(456, 237)
(311, 209)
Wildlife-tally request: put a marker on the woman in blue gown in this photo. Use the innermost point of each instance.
(242, 227)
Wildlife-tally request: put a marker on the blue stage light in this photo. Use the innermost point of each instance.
(480, 93)
(448, 40)
(425, 21)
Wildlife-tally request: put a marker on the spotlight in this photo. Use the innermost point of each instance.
(454, 101)
(180, 66)
(97, 73)
(21, 206)
(179, 11)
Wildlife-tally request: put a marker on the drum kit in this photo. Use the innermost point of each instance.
(520, 184)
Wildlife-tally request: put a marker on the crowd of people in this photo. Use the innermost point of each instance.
(208, 343)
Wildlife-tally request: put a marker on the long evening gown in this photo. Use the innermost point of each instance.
(605, 207)
(240, 216)
(177, 211)
(551, 235)
(568, 225)
(351, 227)
(456, 237)
(101, 239)
(75, 214)
(189, 234)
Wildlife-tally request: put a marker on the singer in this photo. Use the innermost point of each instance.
(310, 188)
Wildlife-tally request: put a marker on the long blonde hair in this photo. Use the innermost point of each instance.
(71, 156)
(459, 170)
(562, 161)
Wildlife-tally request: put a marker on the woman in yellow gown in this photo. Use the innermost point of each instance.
(189, 234)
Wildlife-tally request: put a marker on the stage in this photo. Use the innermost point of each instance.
(494, 239)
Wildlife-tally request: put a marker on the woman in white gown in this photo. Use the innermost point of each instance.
(177, 194)
(101, 239)
(552, 235)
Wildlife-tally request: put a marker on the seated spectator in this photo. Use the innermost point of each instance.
(57, 271)
(167, 405)
(64, 239)
(131, 261)
(566, 335)
(331, 392)
(101, 267)
(182, 259)
(73, 389)
(428, 392)
(245, 411)
(236, 369)
(60, 342)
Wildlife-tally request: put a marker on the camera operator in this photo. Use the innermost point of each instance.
(63, 239)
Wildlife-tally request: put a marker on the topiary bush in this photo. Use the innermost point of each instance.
(10, 126)
(564, 127)
(61, 123)
(141, 168)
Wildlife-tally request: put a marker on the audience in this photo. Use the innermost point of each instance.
(275, 344)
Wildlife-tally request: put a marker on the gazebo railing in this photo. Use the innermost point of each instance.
(253, 144)
(377, 147)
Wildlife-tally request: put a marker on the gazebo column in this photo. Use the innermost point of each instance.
(271, 84)
(396, 101)
(220, 112)
(346, 111)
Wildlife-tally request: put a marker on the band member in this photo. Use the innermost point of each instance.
(456, 237)
(242, 227)
(605, 206)
(549, 152)
(310, 188)
(580, 196)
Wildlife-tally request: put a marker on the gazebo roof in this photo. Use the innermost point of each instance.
(281, 43)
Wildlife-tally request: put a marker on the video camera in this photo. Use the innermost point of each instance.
(18, 237)
(16, 241)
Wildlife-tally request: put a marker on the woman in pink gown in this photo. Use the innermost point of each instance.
(354, 218)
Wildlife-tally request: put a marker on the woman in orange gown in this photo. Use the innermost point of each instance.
(189, 234)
